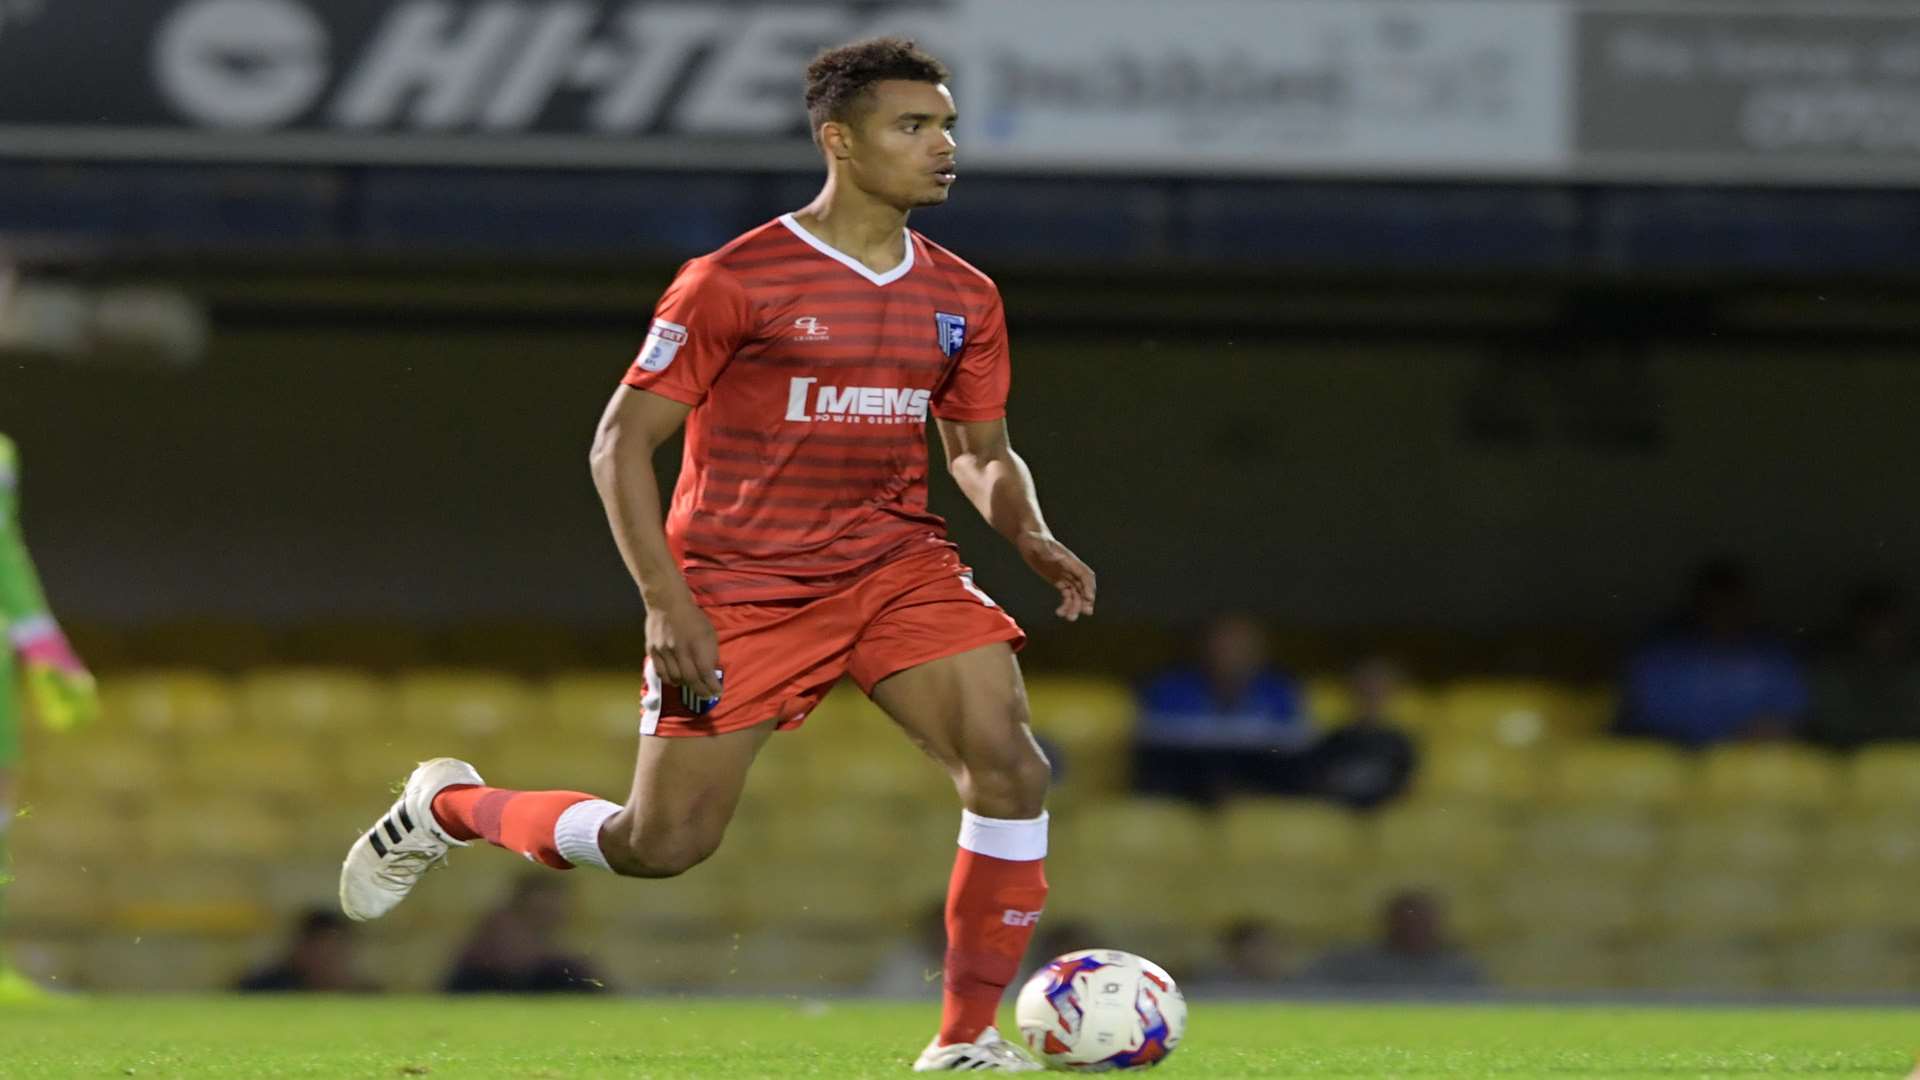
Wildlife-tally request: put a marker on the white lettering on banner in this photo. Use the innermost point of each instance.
(855, 404)
(735, 96)
(421, 49)
(558, 36)
(241, 63)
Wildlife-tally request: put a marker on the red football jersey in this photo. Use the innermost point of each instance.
(811, 378)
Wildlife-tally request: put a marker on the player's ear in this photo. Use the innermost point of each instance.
(836, 139)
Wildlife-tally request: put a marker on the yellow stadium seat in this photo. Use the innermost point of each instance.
(1886, 843)
(471, 704)
(1710, 906)
(1591, 906)
(843, 828)
(1850, 962)
(253, 763)
(600, 702)
(711, 898)
(1310, 903)
(319, 701)
(168, 702)
(100, 763)
(1619, 771)
(1159, 833)
(1772, 774)
(532, 760)
(1328, 700)
(82, 831)
(1607, 839)
(221, 897)
(124, 962)
(1704, 967)
(1291, 835)
(1512, 712)
(1881, 778)
(853, 892)
(1429, 833)
(376, 764)
(1877, 900)
(53, 894)
(1471, 770)
(806, 961)
(1092, 722)
(1739, 839)
(1554, 965)
(218, 826)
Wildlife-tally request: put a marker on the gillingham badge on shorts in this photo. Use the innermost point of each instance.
(700, 706)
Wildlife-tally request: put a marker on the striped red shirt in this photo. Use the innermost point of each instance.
(811, 378)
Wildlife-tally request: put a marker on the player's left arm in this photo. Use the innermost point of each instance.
(998, 483)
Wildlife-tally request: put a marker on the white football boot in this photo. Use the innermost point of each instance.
(385, 863)
(988, 1053)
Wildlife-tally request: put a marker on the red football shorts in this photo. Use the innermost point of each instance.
(780, 658)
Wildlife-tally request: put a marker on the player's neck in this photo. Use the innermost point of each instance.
(856, 224)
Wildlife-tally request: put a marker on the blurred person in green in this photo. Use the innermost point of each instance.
(57, 685)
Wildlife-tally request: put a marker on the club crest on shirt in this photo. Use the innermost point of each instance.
(953, 333)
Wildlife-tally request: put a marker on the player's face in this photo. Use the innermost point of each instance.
(904, 151)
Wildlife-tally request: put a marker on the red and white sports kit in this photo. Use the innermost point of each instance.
(800, 519)
(800, 522)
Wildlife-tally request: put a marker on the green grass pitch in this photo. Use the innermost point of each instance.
(672, 1038)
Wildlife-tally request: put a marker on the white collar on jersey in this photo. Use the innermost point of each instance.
(849, 261)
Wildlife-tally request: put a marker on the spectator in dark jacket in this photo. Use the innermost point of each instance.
(1868, 688)
(1229, 723)
(319, 959)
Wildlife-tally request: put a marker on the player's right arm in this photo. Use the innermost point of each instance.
(680, 638)
(699, 323)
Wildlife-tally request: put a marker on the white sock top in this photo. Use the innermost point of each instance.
(1015, 840)
(576, 836)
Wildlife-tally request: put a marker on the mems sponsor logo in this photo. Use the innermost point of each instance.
(809, 402)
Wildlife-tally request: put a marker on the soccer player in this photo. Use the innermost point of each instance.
(58, 685)
(804, 358)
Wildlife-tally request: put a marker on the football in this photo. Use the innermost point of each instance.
(1101, 1009)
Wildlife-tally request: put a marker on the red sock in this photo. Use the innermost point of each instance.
(519, 821)
(992, 905)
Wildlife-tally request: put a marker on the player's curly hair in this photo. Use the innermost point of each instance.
(838, 78)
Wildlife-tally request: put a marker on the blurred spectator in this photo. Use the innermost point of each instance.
(1868, 688)
(1230, 723)
(515, 949)
(1713, 675)
(1414, 952)
(1255, 958)
(1367, 760)
(319, 959)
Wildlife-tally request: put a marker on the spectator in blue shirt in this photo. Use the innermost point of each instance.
(1231, 722)
(1714, 675)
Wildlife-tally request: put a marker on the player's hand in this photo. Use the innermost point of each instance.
(1063, 570)
(683, 647)
(58, 684)
(63, 699)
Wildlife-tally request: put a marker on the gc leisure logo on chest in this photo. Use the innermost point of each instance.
(810, 403)
(810, 329)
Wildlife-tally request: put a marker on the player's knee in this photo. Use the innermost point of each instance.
(661, 853)
(1009, 783)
